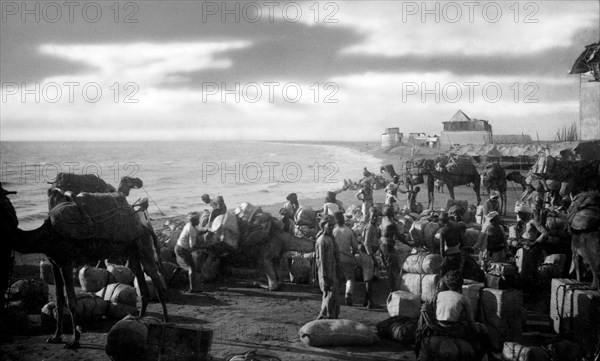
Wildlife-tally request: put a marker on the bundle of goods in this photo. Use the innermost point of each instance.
(561, 350)
(420, 284)
(120, 274)
(398, 328)
(574, 309)
(446, 348)
(89, 308)
(321, 333)
(502, 275)
(151, 288)
(473, 292)
(553, 266)
(584, 212)
(422, 263)
(306, 216)
(404, 304)
(422, 233)
(122, 300)
(502, 312)
(31, 294)
(225, 228)
(301, 268)
(543, 166)
(93, 279)
(178, 342)
(126, 340)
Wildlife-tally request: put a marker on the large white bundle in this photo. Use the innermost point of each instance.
(336, 333)
(119, 293)
(121, 274)
(422, 263)
(404, 303)
(424, 285)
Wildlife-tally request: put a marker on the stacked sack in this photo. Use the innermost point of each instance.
(422, 233)
(420, 275)
(90, 308)
(122, 300)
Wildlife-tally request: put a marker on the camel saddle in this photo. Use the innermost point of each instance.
(584, 212)
(97, 216)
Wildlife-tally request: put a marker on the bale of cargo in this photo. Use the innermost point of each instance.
(116, 311)
(400, 247)
(437, 348)
(46, 272)
(423, 285)
(422, 263)
(401, 329)
(502, 312)
(119, 293)
(151, 288)
(431, 229)
(121, 274)
(514, 351)
(89, 308)
(301, 268)
(574, 310)
(33, 293)
(417, 232)
(404, 304)
(471, 237)
(126, 340)
(93, 279)
(473, 291)
(306, 216)
(322, 333)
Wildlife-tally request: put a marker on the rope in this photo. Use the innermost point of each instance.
(150, 198)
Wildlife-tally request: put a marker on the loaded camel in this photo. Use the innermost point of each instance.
(493, 177)
(465, 174)
(68, 238)
(421, 178)
(259, 236)
(584, 226)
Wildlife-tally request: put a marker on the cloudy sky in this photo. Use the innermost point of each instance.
(287, 70)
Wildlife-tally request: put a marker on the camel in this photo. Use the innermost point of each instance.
(494, 177)
(68, 238)
(267, 244)
(584, 226)
(517, 177)
(427, 180)
(466, 174)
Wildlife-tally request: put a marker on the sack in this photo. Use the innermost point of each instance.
(226, 229)
(584, 214)
(401, 329)
(424, 285)
(437, 348)
(126, 340)
(33, 293)
(306, 216)
(119, 293)
(77, 183)
(417, 232)
(404, 304)
(422, 263)
(301, 268)
(515, 351)
(116, 311)
(120, 274)
(321, 333)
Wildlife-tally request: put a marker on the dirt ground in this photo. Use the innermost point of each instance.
(242, 317)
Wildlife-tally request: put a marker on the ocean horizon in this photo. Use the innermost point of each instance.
(177, 173)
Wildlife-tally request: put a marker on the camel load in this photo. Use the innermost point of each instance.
(78, 183)
(97, 216)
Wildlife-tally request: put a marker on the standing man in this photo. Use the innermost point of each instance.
(288, 212)
(492, 204)
(450, 245)
(183, 250)
(365, 194)
(389, 235)
(327, 258)
(492, 241)
(348, 246)
(218, 208)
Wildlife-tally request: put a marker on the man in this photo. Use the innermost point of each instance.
(365, 194)
(327, 257)
(450, 245)
(492, 204)
(348, 246)
(183, 250)
(288, 212)
(389, 235)
(218, 208)
(492, 242)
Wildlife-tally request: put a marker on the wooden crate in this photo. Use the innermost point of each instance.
(178, 342)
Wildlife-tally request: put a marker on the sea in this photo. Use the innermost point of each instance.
(175, 174)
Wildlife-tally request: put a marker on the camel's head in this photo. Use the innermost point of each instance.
(127, 183)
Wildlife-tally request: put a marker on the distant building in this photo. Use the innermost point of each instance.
(461, 129)
(422, 140)
(391, 138)
(512, 139)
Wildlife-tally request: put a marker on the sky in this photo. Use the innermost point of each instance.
(269, 70)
